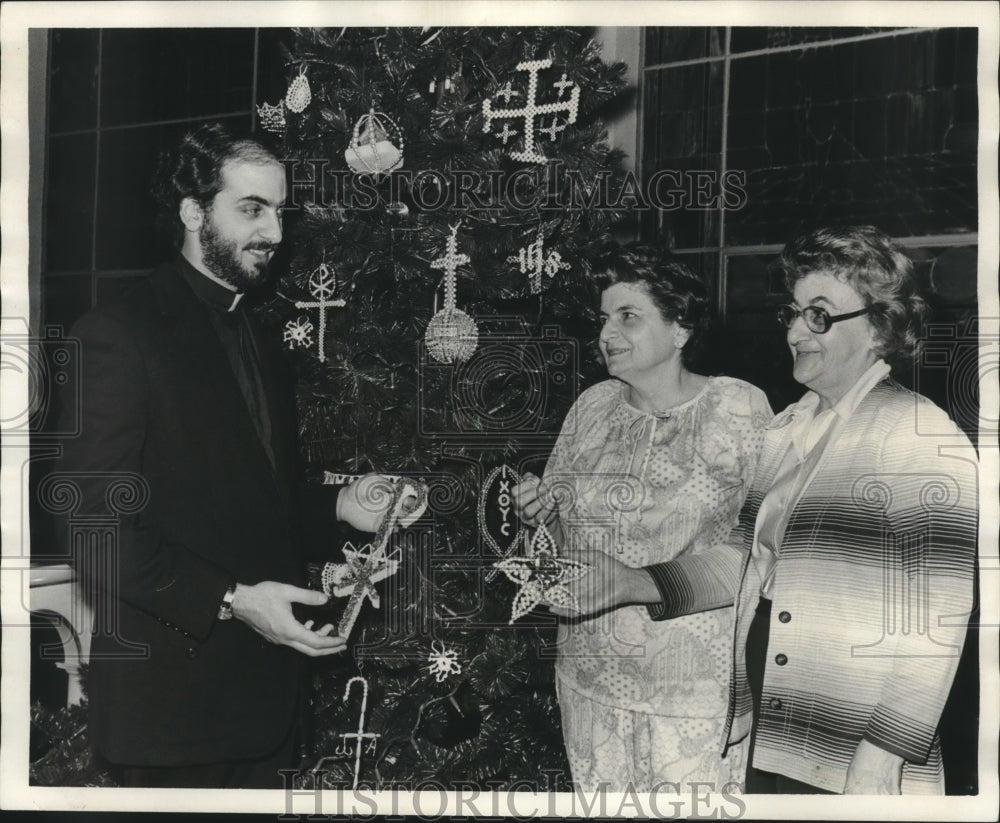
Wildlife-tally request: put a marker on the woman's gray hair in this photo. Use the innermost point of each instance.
(869, 262)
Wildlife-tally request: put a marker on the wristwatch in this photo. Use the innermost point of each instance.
(226, 606)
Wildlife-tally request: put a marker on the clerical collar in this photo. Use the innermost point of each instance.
(211, 290)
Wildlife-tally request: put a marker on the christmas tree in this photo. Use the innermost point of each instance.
(456, 179)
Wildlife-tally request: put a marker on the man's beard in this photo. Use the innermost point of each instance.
(222, 257)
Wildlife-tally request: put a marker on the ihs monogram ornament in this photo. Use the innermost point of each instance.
(533, 262)
(542, 576)
(451, 336)
(532, 109)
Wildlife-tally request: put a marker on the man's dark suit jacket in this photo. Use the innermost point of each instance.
(160, 399)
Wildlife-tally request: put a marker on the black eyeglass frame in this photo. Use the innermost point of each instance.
(825, 317)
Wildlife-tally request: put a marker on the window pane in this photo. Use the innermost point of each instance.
(73, 79)
(165, 74)
(682, 128)
(752, 38)
(69, 223)
(880, 131)
(668, 44)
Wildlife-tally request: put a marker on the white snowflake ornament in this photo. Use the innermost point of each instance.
(299, 333)
(443, 661)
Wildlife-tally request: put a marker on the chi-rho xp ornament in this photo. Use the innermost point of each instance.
(322, 285)
(451, 336)
(532, 109)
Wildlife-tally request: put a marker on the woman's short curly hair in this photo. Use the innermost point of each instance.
(679, 294)
(869, 262)
(194, 169)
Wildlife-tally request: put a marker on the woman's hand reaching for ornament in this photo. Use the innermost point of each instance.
(533, 501)
(608, 585)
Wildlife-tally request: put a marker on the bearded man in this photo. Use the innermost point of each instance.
(200, 681)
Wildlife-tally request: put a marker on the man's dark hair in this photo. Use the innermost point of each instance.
(194, 169)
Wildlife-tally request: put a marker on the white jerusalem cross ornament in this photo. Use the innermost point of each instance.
(533, 262)
(322, 285)
(542, 576)
(532, 109)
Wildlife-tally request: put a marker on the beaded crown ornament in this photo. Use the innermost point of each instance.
(376, 145)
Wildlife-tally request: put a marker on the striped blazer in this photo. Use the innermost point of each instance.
(871, 594)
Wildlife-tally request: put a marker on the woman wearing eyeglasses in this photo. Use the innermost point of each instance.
(855, 548)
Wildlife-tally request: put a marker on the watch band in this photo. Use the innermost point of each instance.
(226, 606)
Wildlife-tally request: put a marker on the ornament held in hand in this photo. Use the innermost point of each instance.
(542, 576)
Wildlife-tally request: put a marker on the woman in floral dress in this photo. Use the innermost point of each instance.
(649, 465)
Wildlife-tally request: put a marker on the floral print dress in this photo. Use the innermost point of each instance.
(645, 702)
